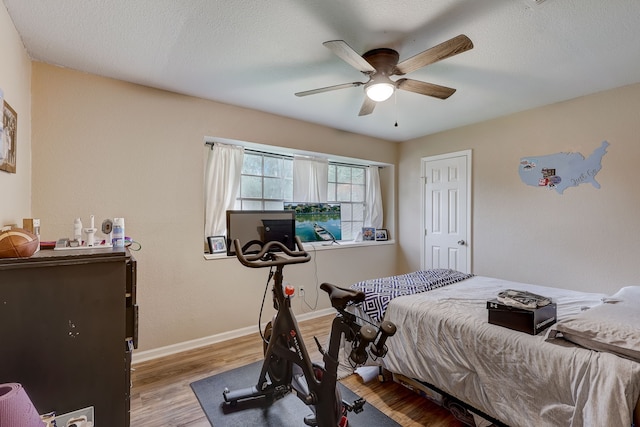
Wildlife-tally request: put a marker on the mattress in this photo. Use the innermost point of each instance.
(444, 339)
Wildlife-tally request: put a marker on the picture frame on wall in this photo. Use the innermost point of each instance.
(9, 140)
(381, 234)
(217, 244)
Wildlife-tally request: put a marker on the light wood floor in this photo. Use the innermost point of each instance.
(161, 395)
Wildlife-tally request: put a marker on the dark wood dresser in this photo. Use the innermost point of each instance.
(68, 326)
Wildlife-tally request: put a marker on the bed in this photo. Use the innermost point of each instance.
(444, 340)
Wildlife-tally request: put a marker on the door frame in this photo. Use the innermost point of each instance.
(467, 154)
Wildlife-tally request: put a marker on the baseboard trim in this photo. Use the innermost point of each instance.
(146, 355)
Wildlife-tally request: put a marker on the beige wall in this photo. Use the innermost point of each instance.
(15, 82)
(109, 148)
(585, 238)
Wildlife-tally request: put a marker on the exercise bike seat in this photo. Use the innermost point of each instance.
(341, 297)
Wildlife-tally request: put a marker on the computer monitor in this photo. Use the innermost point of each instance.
(262, 226)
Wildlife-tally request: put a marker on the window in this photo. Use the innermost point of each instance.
(266, 183)
(347, 186)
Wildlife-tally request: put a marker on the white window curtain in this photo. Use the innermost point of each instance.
(373, 216)
(310, 179)
(222, 181)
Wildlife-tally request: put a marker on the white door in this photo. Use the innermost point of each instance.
(446, 211)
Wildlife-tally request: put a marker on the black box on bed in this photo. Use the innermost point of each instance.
(531, 321)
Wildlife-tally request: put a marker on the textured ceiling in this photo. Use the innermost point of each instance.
(258, 53)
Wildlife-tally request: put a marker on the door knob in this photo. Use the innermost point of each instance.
(461, 242)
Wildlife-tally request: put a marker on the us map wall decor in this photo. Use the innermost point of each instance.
(562, 170)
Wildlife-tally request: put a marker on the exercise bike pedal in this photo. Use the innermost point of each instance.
(357, 406)
(310, 420)
(281, 391)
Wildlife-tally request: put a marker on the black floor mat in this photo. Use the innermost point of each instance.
(288, 411)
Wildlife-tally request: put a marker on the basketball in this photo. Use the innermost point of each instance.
(17, 243)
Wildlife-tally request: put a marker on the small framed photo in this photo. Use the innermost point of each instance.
(217, 244)
(368, 233)
(381, 234)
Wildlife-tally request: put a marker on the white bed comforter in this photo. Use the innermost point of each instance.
(444, 339)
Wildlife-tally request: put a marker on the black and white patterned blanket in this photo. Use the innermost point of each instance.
(379, 292)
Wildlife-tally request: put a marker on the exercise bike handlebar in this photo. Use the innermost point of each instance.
(266, 257)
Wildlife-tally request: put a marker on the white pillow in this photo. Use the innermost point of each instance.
(612, 327)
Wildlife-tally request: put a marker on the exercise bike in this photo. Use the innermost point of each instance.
(287, 366)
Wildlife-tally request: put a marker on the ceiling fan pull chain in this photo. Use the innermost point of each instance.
(395, 102)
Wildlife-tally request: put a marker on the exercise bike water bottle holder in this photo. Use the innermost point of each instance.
(287, 366)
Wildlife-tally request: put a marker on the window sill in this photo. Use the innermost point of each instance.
(319, 246)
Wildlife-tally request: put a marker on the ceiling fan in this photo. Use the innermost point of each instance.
(380, 64)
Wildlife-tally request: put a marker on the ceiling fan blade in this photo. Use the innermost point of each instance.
(437, 53)
(350, 56)
(367, 106)
(425, 88)
(329, 88)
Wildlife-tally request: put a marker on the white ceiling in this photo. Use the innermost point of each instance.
(258, 53)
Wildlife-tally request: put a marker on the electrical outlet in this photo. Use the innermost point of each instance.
(301, 291)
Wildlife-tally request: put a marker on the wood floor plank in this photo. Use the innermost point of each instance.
(162, 397)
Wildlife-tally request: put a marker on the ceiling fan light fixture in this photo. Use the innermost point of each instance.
(380, 91)
(381, 63)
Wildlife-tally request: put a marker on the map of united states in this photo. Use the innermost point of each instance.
(562, 170)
